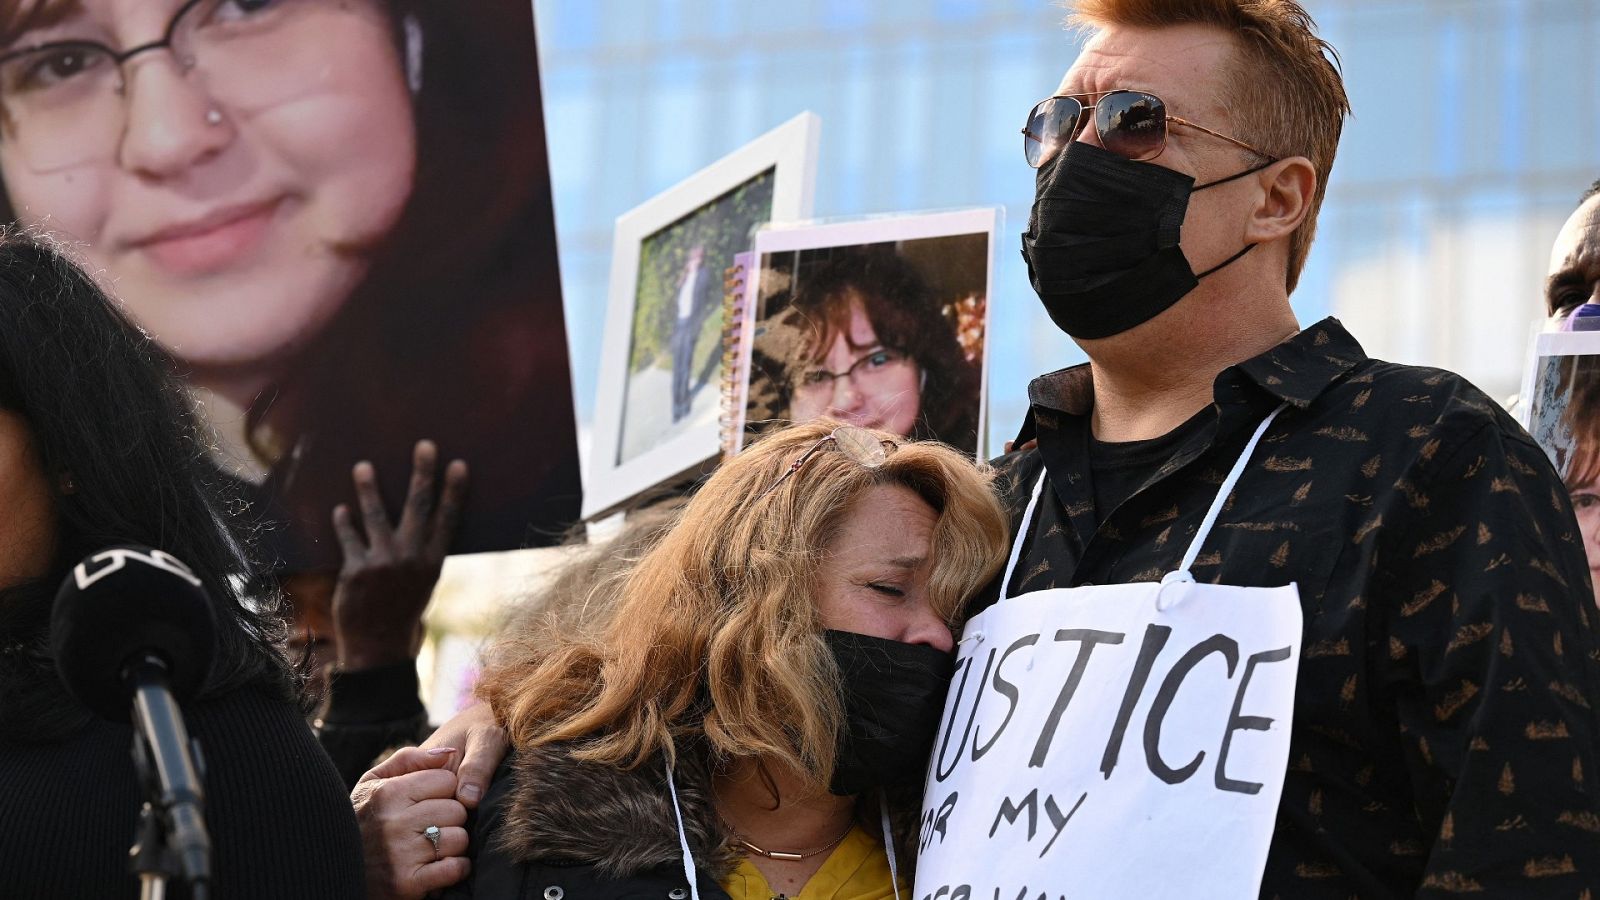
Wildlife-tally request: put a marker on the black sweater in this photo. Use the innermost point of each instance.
(281, 824)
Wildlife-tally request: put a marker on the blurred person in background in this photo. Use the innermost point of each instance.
(360, 632)
(1574, 278)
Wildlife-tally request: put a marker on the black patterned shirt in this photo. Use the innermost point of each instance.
(1445, 739)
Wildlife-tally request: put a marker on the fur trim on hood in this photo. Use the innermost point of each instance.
(620, 821)
(566, 811)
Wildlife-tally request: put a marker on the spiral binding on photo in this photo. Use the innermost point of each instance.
(733, 312)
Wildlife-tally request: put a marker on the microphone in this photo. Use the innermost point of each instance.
(133, 632)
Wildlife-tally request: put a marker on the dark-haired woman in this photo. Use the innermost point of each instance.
(98, 447)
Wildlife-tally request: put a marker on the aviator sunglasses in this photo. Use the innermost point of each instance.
(1131, 124)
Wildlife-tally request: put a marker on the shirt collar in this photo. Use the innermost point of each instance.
(1296, 371)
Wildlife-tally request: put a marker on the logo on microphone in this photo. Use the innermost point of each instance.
(117, 557)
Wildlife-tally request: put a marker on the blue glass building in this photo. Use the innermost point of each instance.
(1477, 125)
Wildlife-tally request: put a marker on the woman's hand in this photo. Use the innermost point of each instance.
(483, 744)
(396, 802)
(388, 577)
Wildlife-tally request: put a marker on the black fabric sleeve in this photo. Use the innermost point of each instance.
(369, 712)
(1491, 637)
(280, 819)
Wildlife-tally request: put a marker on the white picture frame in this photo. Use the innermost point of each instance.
(901, 230)
(631, 452)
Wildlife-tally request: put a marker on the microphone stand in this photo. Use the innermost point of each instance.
(152, 860)
(172, 839)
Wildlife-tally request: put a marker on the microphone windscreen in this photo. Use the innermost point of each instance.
(120, 603)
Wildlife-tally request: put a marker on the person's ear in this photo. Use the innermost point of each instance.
(1289, 188)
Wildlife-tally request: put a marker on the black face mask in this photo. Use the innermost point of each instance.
(893, 697)
(1102, 240)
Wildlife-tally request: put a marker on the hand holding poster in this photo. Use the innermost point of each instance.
(1113, 742)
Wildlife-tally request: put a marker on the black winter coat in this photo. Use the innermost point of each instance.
(551, 828)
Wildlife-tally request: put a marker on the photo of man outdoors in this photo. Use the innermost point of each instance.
(675, 339)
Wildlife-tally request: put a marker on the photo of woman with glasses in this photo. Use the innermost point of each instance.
(886, 335)
(335, 214)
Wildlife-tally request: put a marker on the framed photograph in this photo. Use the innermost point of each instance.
(1563, 412)
(880, 322)
(656, 411)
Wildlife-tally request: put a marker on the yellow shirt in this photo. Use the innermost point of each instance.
(857, 869)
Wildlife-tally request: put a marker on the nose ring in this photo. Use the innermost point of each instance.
(213, 116)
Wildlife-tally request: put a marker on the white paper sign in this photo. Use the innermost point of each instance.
(1096, 746)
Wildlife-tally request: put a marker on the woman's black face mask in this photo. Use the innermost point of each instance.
(1102, 240)
(893, 697)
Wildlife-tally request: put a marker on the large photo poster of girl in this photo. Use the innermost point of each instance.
(335, 216)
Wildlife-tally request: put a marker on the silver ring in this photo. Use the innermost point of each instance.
(213, 116)
(432, 834)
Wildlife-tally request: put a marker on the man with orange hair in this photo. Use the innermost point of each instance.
(1439, 679)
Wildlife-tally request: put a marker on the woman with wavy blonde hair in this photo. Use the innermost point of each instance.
(755, 700)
